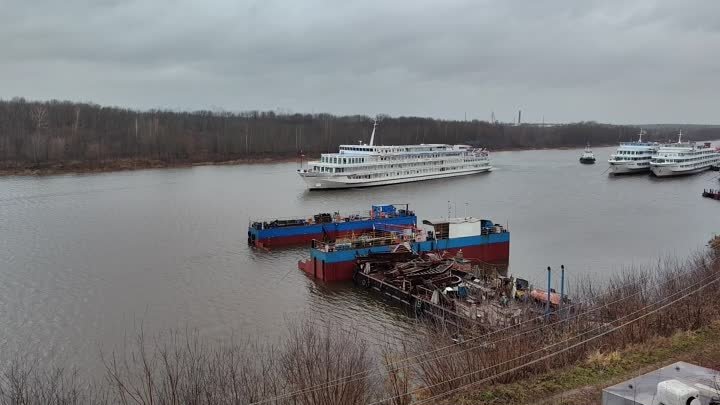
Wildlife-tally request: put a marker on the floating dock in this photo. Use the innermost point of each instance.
(277, 232)
(480, 240)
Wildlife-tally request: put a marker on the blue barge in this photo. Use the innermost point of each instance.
(480, 240)
(277, 232)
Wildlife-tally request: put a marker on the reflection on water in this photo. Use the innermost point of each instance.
(86, 258)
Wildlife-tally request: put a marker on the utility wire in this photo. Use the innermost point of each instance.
(717, 278)
(362, 374)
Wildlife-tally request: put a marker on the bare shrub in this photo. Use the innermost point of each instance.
(313, 356)
(25, 382)
(629, 297)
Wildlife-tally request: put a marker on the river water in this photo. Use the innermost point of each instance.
(86, 259)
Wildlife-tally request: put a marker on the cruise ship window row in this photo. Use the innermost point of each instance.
(386, 150)
(396, 164)
(431, 169)
(633, 152)
(384, 169)
(341, 160)
(681, 160)
(410, 172)
(631, 159)
(353, 160)
(701, 153)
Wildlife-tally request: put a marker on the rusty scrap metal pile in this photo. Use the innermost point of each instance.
(424, 274)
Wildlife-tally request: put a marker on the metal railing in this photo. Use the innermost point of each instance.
(356, 243)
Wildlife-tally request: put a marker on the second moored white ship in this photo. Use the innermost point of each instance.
(633, 157)
(681, 158)
(370, 165)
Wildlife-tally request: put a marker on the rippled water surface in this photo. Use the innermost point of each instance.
(85, 259)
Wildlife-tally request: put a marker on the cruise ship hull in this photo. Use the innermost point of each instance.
(319, 182)
(668, 171)
(620, 168)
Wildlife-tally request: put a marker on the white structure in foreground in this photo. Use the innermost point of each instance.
(677, 384)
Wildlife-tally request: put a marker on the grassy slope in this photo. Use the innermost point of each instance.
(583, 383)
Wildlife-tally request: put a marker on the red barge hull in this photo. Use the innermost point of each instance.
(493, 253)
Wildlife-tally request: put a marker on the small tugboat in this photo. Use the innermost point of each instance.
(587, 157)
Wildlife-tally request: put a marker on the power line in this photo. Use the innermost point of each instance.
(362, 374)
(569, 347)
(717, 278)
(580, 314)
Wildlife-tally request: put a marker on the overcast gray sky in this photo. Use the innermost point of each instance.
(608, 60)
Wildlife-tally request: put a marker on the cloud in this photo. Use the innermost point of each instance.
(614, 61)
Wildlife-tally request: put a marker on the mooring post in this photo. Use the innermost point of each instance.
(547, 306)
(562, 285)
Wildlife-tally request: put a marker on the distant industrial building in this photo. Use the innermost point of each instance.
(677, 384)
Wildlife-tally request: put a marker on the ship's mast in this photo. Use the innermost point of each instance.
(372, 136)
(680, 137)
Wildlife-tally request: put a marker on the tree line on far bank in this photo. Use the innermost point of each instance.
(38, 133)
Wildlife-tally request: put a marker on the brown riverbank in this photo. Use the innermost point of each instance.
(79, 167)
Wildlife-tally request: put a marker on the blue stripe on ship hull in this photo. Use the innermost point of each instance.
(427, 246)
(292, 231)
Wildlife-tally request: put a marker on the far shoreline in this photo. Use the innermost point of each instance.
(123, 165)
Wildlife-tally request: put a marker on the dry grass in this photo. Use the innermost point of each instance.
(628, 298)
(597, 359)
(581, 384)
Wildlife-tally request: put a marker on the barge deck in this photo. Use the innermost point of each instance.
(481, 300)
(277, 232)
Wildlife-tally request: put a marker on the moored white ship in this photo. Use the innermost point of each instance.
(371, 165)
(682, 158)
(633, 157)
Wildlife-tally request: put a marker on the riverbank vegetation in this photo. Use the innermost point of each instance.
(583, 382)
(639, 318)
(57, 136)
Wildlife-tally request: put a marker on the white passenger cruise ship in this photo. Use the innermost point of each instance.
(633, 157)
(371, 165)
(683, 158)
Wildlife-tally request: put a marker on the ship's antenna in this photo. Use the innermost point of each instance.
(680, 137)
(641, 134)
(372, 136)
